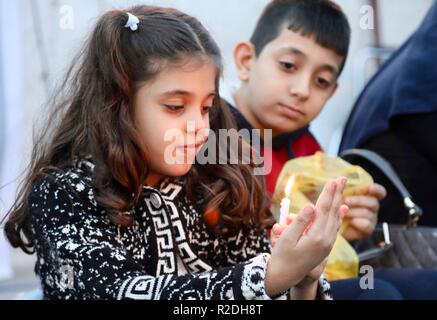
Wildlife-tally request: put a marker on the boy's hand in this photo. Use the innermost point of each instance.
(363, 213)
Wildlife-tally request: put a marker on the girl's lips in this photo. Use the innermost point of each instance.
(191, 150)
(290, 112)
(194, 146)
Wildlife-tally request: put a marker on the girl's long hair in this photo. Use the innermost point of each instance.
(93, 115)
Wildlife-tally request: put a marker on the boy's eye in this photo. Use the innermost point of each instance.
(288, 66)
(174, 108)
(323, 83)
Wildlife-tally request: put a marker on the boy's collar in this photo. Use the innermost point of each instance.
(288, 138)
(280, 141)
(242, 122)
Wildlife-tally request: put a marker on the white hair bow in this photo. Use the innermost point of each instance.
(132, 22)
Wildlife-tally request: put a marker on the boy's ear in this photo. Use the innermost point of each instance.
(244, 56)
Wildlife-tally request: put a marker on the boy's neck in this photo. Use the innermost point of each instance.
(242, 101)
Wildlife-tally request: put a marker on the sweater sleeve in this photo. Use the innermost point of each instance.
(248, 244)
(80, 256)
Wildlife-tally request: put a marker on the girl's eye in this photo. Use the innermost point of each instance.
(323, 83)
(206, 109)
(174, 108)
(288, 66)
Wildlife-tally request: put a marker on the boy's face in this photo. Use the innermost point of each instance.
(288, 84)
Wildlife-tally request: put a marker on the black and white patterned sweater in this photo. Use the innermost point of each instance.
(168, 253)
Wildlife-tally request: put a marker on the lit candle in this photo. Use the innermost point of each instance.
(285, 203)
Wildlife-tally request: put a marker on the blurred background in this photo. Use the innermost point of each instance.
(38, 39)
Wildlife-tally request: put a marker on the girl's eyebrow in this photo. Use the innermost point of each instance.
(176, 92)
(181, 92)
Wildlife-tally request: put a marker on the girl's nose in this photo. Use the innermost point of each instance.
(197, 122)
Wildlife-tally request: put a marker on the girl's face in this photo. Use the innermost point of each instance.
(172, 116)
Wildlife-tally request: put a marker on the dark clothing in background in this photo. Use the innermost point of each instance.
(396, 116)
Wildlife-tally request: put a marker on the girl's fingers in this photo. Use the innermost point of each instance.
(334, 220)
(323, 206)
(290, 218)
(336, 202)
(343, 211)
(274, 240)
(300, 223)
(324, 201)
(277, 229)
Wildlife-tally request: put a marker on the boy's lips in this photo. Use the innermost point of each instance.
(291, 112)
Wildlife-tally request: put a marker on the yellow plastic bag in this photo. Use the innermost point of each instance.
(310, 175)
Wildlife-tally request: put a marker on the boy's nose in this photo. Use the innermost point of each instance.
(301, 87)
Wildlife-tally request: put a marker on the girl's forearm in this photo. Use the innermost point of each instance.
(304, 292)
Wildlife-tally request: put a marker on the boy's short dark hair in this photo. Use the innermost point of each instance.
(322, 19)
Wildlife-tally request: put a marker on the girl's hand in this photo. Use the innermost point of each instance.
(363, 213)
(307, 288)
(314, 274)
(296, 254)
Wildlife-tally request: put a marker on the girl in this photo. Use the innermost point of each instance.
(111, 218)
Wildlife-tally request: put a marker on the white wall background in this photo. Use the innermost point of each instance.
(10, 111)
(41, 50)
(48, 48)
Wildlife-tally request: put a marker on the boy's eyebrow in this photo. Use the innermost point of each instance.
(330, 67)
(293, 50)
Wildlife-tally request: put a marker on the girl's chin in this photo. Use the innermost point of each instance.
(177, 170)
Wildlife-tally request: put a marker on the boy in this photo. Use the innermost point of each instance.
(288, 70)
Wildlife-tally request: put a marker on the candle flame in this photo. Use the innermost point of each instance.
(289, 186)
